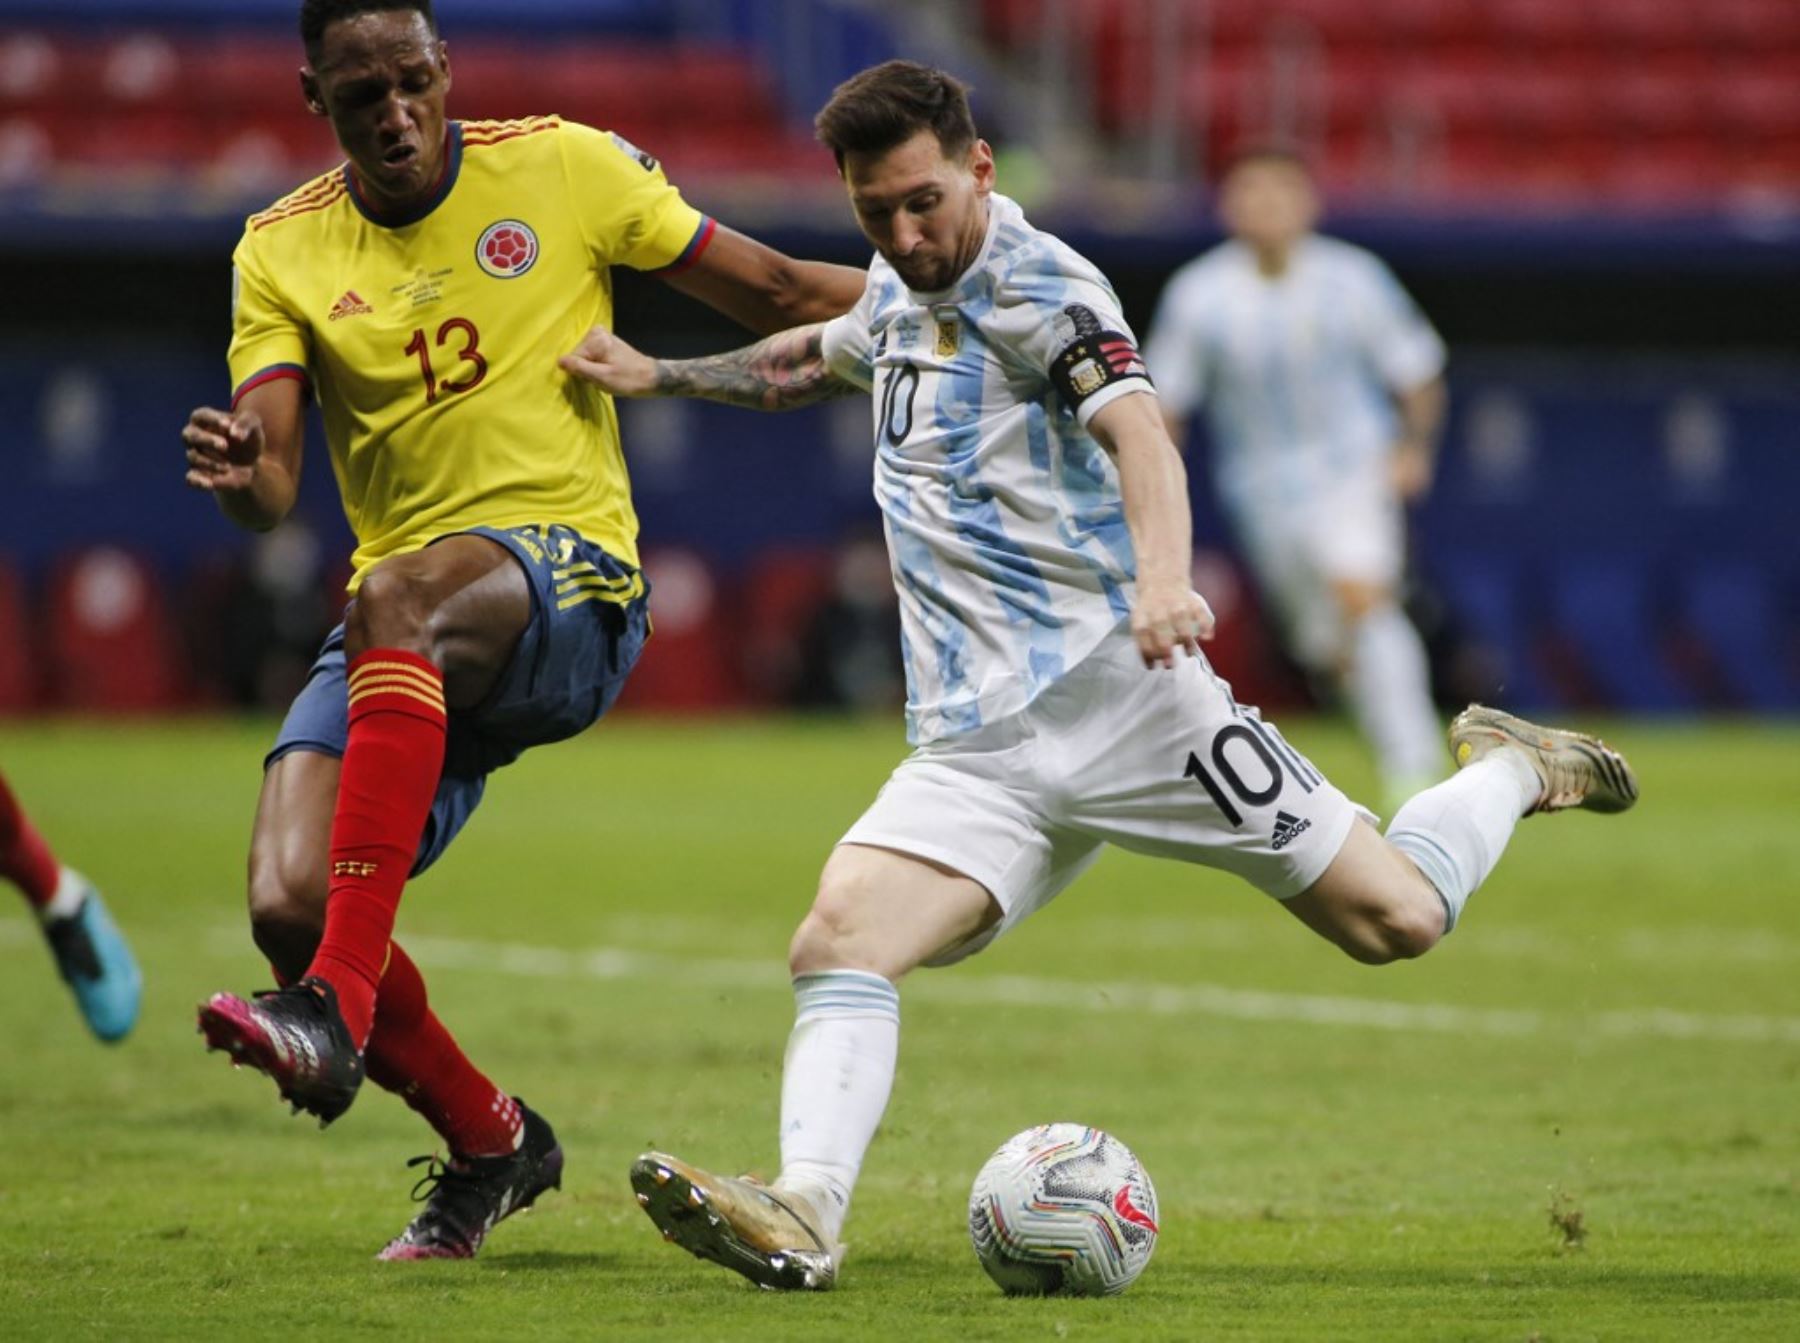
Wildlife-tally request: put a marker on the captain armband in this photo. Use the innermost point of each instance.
(1092, 358)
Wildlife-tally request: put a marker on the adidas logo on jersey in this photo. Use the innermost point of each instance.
(350, 305)
(1288, 828)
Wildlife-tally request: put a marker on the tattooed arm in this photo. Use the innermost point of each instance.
(785, 371)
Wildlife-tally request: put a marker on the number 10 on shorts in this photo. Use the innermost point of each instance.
(1270, 761)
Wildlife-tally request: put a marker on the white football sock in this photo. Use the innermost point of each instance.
(835, 1084)
(1388, 684)
(71, 890)
(1455, 831)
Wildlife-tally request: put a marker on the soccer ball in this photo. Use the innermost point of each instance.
(1063, 1208)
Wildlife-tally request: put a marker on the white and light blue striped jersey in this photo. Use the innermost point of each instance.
(1296, 373)
(1005, 526)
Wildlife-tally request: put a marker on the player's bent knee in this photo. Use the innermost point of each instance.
(1404, 932)
(393, 608)
(1372, 902)
(827, 937)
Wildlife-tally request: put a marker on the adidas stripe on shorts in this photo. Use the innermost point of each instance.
(1161, 762)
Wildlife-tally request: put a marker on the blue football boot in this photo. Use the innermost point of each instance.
(92, 956)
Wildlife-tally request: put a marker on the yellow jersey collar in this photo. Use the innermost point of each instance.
(436, 197)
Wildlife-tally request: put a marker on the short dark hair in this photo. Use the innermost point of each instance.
(318, 15)
(1282, 152)
(886, 105)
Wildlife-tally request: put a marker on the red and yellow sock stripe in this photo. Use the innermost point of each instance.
(391, 680)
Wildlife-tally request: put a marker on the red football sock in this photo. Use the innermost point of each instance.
(392, 760)
(410, 1053)
(25, 860)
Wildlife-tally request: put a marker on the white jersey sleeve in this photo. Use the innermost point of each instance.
(849, 346)
(1399, 343)
(1064, 322)
(1177, 349)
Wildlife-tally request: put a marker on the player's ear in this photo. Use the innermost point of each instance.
(981, 164)
(443, 55)
(309, 90)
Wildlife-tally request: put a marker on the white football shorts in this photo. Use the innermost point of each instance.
(1351, 531)
(1158, 761)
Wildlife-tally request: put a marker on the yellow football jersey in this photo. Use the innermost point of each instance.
(431, 340)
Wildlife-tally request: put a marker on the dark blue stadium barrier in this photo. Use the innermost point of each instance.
(1614, 532)
(1736, 610)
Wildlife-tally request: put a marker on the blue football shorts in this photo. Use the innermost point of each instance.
(589, 621)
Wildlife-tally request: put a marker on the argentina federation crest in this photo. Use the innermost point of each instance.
(948, 324)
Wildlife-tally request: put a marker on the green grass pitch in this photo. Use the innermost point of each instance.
(1574, 1120)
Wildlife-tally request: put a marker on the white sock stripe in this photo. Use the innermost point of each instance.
(845, 993)
(824, 998)
(864, 978)
(1432, 859)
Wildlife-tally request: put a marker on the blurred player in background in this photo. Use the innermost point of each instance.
(90, 952)
(1324, 392)
(423, 293)
(1039, 536)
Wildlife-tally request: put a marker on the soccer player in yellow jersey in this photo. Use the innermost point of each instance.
(422, 294)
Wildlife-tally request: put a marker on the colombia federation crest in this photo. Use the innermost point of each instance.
(507, 249)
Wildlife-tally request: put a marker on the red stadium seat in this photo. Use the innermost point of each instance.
(1258, 21)
(1750, 25)
(1652, 99)
(1353, 83)
(1563, 169)
(1421, 23)
(146, 69)
(1537, 26)
(494, 81)
(31, 68)
(1243, 649)
(124, 143)
(78, 62)
(1767, 170)
(245, 74)
(1758, 101)
(1532, 96)
(268, 158)
(1645, 24)
(687, 666)
(1676, 173)
(112, 646)
(27, 152)
(18, 667)
(1450, 91)
(782, 594)
(586, 86)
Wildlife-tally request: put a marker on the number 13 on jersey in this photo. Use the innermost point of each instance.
(468, 352)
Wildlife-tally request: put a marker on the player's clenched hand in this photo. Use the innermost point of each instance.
(613, 365)
(223, 448)
(1168, 617)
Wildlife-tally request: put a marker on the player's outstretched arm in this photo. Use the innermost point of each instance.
(766, 290)
(1421, 421)
(1168, 614)
(783, 372)
(248, 458)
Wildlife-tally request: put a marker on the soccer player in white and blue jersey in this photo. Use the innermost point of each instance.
(1037, 519)
(1322, 385)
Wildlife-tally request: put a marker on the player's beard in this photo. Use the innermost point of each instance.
(926, 277)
